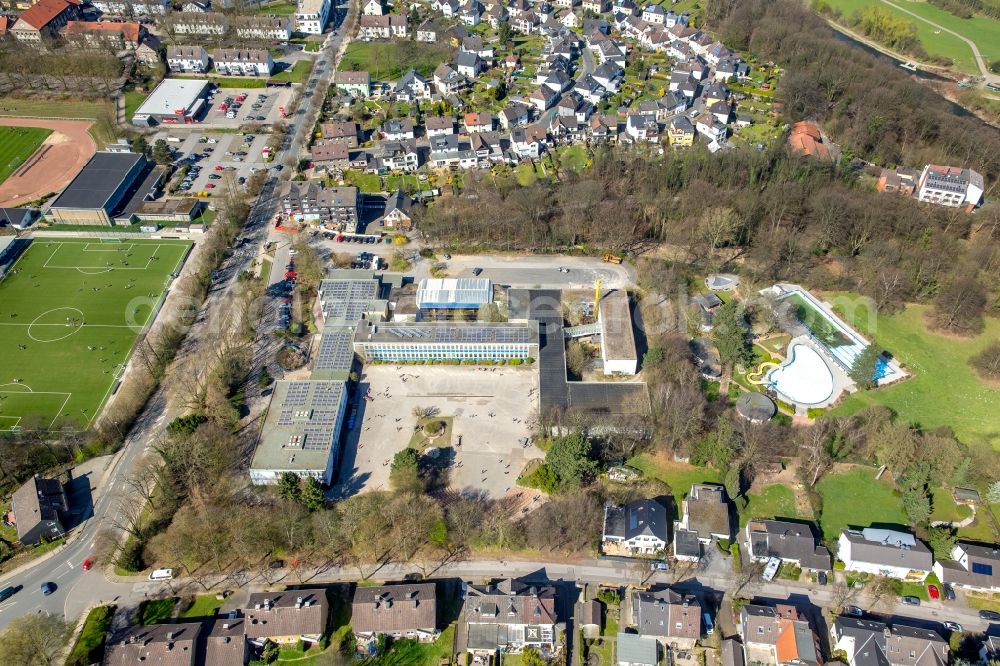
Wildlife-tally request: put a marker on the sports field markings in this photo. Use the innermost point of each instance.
(101, 247)
(59, 412)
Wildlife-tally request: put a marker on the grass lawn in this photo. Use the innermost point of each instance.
(366, 182)
(420, 441)
(299, 73)
(279, 8)
(375, 58)
(17, 144)
(412, 653)
(944, 389)
(918, 590)
(54, 108)
(154, 611)
(945, 507)
(205, 605)
(772, 502)
(133, 99)
(404, 181)
(70, 310)
(89, 647)
(679, 476)
(942, 43)
(981, 528)
(855, 498)
(984, 602)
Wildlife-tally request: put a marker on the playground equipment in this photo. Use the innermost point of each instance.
(757, 377)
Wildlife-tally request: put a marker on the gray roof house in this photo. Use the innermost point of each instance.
(870, 643)
(973, 566)
(635, 650)
(778, 635)
(38, 507)
(669, 616)
(400, 611)
(885, 552)
(705, 517)
(789, 541)
(637, 527)
(509, 613)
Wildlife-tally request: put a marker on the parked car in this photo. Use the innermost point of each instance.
(949, 592)
(477, 270)
(853, 611)
(7, 592)
(991, 616)
(563, 269)
(953, 626)
(933, 592)
(821, 578)
(162, 574)
(911, 601)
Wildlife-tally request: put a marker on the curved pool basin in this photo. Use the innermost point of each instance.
(804, 378)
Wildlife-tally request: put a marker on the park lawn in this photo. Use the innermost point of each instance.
(57, 108)
(374, 57)
(981, 29)
(854, 498)
(299, 73)
(945, 507)
(17, 144)
(679, 476)
(89, 646)
(205, 605)
(133, 100)
(70, 310)
(156, 611)
(775, 501)
(944, 390)
(942, 44)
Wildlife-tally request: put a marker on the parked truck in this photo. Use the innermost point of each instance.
(612, 258)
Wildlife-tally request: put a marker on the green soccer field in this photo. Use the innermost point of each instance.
(70, 311)
(17, 144)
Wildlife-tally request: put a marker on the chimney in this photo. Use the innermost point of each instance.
(225, 625)
(170, 635)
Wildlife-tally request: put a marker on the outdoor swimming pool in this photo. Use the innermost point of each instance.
(804, 378)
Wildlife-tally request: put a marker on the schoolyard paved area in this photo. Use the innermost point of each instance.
(491, 409)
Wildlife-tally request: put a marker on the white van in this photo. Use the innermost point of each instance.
(162, 574)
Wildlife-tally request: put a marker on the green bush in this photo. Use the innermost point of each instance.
(89, 647)
(130, 556)
(516, 361)
(543, 478)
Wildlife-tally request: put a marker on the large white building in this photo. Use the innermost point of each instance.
(182, 58)
(133, 8)
(950, 186)
(885, 553)
(311, 16)
(243, 62)
(262, 27)
(617, 340)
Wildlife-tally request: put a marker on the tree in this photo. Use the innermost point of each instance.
(959, 307)
(993, 493)
(404, 472)
(161, 152)
(730, 333)
(532, 657)
(987, 362)
(139, 145)
(865, 368)
(312, 496)
(569, 458)
(34, 640)
(290, 486)
(504, 33)
(941, 541)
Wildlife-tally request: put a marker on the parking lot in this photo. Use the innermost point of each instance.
(218, 153)
(489, 408)
(260, 105)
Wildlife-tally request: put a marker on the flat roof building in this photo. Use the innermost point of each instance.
(102, 189)
(617, 339)
(441, 341)
(454, 293)
(301, 432)
(173, 102)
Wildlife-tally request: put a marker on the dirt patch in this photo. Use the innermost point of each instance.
(53, 165)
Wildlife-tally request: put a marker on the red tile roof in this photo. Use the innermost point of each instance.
(43, 12)
(129, 30)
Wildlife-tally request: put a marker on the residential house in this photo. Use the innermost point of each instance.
(514, 114)
(132, 7)
(447, 80)
(428, 32)
(479, 121)
(412, 87)
(596, 6)
(972, 566)
(715, 92)
(243, 62)
(680, 132)
(148, 51)
(262, 27)
(182, 58)
(871, 643)
(704, 516)
(397, 129)
(399, 156)
(603, 128)
(885, 552)
(639, 527)
(398, 611)
(311, 16)
(720, 111)
(342, 131)
(670, 617)
(558, 81)
(222, 642)
(793, 542)
(542, 98)
(954, 187)
(398, 213)
(355, 84)
(588, 618)
(609, 76)
(449, 8)
(286, 617)
(806, 140)
(156, 644)
(372, 8)
(900, 180)
(471, 14)
(636, 650)
(439, 125)
(468, 64)
(496, 15)
(39, 507)
(990, 650)
(331, 208)
(453, 152)
(642, 128)
(570, 19)
(778, 635)
(196, 6)
(94, 34)
(331, 155)
(491, 147)
(524, 22)
(709, 127)
(589, 89)
(382, 27)
(728, 69)
(717, 52)
(43, 19)
(198, 23)
(611, 52)
(654, 14)
(510, 615)
(475, 44)
(528, 142)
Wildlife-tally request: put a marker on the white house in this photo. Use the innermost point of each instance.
(277, 28)
(311, 16)
(243, 62)
(885, 553)
(133, 7)
(972, 566)
(187, 59)
(372, 8)
(950, 186)
(639, 527)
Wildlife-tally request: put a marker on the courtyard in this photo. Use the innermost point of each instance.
(490, 410)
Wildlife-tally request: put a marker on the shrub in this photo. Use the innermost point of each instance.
(514, 361)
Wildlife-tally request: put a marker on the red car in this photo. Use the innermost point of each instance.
(218, 167)
(88, 564)
(210, 186)
(933, 591)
